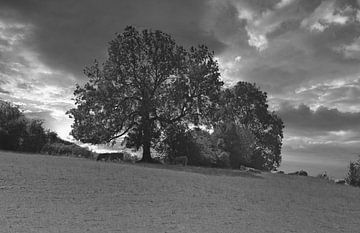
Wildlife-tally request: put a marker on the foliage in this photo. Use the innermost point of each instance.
(66, 150)
(198, 145)
(353, 176)
(209, 151)
(22, 134)
(12, 126)
(245, 106)
(237, 141)
(147, 83)
(35, 136)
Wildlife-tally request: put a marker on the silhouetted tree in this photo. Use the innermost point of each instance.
(146, 83)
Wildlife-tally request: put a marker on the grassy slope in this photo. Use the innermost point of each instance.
(56, 194)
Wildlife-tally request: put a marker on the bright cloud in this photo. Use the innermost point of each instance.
(257, 40)
(27, 82)
(326, 15)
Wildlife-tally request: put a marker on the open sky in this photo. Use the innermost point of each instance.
(304, 53)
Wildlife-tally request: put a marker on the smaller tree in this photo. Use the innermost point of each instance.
(353, 176)
(12, 126)
(245, 106)
(35, 136)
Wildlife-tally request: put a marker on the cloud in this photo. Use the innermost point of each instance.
(39, 90)
(4, 91)
(53, 120)
(343, 94)
(322, 139)
(329, 13)
(322, 119)
(350, 51)
(70, 35)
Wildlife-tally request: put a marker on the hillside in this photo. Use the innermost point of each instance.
(59, 194)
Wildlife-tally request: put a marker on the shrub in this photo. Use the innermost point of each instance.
(353, 176)
(198, 145)
(66, 150)
(209, 150)
(324, 176)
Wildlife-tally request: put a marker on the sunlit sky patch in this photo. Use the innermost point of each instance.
(304, 53)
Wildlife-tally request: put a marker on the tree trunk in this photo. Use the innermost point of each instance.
(146, 140)
(146, 153)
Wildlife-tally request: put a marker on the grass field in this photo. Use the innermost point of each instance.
(59, 194)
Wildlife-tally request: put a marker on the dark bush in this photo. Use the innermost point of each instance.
(198, 145)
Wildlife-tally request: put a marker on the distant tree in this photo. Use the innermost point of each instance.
(52, 137)
(35, 136)
(22, 134)
(245, 105)
(12, 126)
(146, 83)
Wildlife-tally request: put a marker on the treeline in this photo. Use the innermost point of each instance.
(18, 133)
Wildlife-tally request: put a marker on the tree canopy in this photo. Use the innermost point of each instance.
(146, 83)
(149, 85)
(245, 106)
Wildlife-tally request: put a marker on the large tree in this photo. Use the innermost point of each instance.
(245, 105)
(146, 83)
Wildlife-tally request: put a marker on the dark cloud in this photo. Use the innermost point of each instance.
(24, 86)
(71, 34)
(4, 91)
(284, 27)
(223, 21)
(3, 42)
(260, 5)
(322, 119)
(308, 5)
(344, 4)
(323, 45)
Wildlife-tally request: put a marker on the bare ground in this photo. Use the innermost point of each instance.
(57, 194)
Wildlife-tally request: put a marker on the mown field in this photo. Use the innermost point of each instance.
(58, 194)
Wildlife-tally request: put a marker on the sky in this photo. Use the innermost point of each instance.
(304, 53)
